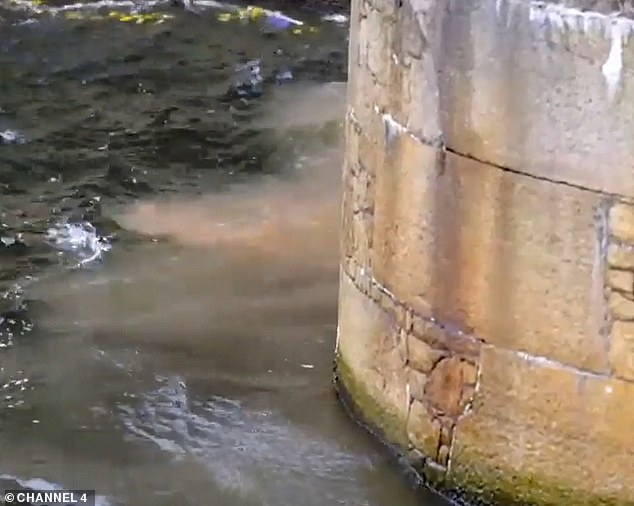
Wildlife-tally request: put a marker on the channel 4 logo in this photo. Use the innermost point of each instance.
(49, 497)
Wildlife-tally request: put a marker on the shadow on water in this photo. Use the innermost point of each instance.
(189, 362)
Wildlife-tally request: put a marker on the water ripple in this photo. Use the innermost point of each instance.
(257, 452)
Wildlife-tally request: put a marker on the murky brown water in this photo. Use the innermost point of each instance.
(190, 364)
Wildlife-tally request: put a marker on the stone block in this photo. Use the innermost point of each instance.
(620, 256)
(443, 455)
(372, 362)
(421, 355)
(622, 349)
(416, 381)
(544, 434)
(423, 430)
(621, 307)
(621, 222)
(448, 386)
(357, 235)
(402, 193)
(621, 281)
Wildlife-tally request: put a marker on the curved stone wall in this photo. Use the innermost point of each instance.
(487, 285)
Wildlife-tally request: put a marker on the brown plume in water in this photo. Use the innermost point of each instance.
(292, 217)
(253, 269)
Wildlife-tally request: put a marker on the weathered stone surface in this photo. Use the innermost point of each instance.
(621, 221)
(622, 349)
(372, 365)
(423, 430)
(621, 307)
(483, 248)
(399, 260)
(530, 94)
(534, 424)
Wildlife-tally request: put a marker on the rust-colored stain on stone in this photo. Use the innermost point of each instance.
(450, 386)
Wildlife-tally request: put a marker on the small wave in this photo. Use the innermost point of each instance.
(80, 239)
(11, 137)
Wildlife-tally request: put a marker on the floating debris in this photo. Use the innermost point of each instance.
(275, 20)
(138, 13)
(125, 17)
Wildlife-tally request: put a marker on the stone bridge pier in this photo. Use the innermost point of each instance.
(486, 322)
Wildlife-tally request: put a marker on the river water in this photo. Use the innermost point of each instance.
(168, 259)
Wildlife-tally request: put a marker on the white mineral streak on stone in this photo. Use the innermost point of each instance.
(614, 27)
(613, 67)
(408, 396)
(554, 364)
(393, 129)
(498, 7)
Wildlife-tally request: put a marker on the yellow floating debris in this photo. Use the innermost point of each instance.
(121, 16)
(255, 12)
(224, 16)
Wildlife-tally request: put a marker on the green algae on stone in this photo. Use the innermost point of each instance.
(507, 487)
(366, 408)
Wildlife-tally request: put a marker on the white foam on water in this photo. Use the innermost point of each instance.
(78, 238)
(335, 18)
(11, 137)
(52, 10)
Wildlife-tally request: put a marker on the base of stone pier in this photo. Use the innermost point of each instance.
(362, 409)
(470, 483)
